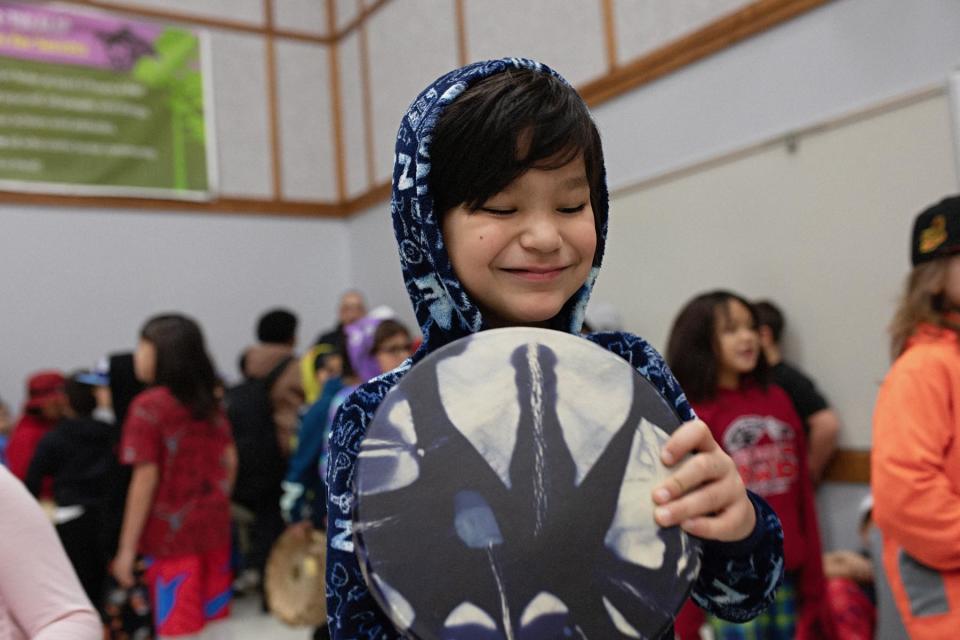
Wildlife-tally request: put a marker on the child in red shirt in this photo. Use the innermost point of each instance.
(179, 442)
(714, 351)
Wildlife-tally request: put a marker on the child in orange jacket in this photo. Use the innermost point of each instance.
(916, 425)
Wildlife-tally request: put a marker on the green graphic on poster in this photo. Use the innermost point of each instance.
(99, 105)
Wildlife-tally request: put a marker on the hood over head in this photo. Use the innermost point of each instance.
(443, 308)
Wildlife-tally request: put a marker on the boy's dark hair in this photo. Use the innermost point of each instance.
(768, 315)
(505, 125)
(386, 330)
(692, 348)
(183, 365)
(277, 326)
(80, 395)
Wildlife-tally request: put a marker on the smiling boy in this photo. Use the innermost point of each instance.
(500, 212)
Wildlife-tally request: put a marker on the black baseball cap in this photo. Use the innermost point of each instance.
(936, 232)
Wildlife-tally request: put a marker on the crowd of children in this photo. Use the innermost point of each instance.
(500, 209)
(166, 566)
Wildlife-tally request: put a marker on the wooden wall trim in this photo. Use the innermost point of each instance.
(336, 110)
(850, 466)
(370, 152)
(367, 11)
(377, 195)
(720, 34)
(267, 28)
(610, 33)
(225, 205)
(332, 37)
(461, 22)
(273, 105)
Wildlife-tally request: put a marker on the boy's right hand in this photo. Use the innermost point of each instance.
(704, 493)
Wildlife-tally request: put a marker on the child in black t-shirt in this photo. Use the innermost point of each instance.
(820, 422)
(78, 454)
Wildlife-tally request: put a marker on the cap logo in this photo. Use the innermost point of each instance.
(934, 235)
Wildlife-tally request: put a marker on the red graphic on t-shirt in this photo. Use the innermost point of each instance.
(765, 452)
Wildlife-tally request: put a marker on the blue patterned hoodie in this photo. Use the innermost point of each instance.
(737, 580)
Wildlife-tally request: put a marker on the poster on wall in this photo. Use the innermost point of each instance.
(97, 104)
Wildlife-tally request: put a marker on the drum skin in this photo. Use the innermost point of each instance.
(503, 490)
(294, 578)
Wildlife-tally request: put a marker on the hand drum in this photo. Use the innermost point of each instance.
(504, 492)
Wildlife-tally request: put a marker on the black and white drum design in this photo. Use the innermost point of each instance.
(504, 492)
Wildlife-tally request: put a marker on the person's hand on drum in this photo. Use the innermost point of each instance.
(704, 494)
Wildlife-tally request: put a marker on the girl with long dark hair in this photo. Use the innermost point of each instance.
(177, 515)
(714, 351)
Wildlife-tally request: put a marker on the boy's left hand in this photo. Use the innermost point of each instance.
(704, 494)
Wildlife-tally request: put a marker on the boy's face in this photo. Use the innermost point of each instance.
(529, 248)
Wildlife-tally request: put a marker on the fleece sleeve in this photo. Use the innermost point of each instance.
(738, 580)
(352, 612)
(915, 502)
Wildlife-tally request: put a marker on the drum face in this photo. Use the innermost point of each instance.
(503, 490)
(294, 576)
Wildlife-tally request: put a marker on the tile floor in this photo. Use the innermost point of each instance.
(248, 623)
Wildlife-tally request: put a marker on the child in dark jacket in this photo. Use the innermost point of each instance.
(500, 213)
(78, 454)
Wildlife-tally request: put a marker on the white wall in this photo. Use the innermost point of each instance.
(823, 231)
(374, 263)
(77, 284)
(410, 44)
(843, 56)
